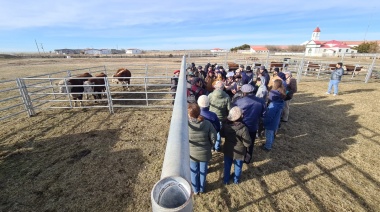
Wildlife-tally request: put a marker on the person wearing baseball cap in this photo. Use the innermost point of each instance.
(264, 72)
(174, 83)
(253, 109)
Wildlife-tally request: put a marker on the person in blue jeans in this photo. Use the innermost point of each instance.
(273, 114)
(237, 141)
(253, 109)
(335, 78)
(202, 136)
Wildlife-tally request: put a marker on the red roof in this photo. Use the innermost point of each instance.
(259, 48)
(317, 30)
(334, 44)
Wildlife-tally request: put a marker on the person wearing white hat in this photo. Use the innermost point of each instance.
(204, 104)
(253, 109)
(237, 140)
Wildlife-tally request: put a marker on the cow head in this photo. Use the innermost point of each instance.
(114, 80)
(62, 86)
(88, 88)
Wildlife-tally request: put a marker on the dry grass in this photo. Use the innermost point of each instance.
(325, 158)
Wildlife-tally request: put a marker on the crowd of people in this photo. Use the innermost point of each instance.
(239, 105)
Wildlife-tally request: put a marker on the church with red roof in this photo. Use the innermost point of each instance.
(316, 47)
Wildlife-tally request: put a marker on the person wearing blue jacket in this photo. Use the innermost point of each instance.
(273, 114)
(204, 104)
(253, 108)
(335, 78)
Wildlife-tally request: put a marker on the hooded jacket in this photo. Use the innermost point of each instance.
(274, 110)
(262, 92)
(220, 103)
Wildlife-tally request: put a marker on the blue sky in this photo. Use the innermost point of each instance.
(168, 25)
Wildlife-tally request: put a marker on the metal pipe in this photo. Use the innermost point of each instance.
(173, 191)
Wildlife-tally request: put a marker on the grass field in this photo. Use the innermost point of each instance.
(324, 159)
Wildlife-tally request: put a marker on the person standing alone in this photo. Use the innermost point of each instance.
(335, 78)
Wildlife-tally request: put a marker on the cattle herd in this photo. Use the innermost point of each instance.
(87, 84)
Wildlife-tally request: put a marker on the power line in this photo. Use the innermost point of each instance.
(37, 47)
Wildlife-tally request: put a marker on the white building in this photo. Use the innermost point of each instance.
(258, 49)
(215, 50)
(97, 51)
(315, 47)
(133, 51)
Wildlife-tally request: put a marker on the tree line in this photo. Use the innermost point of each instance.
(368, 47)
(272, 48)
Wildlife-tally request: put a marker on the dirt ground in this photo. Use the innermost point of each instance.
(324, 159)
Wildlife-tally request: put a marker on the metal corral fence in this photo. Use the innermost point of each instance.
(150, 87)
(358, 67)
(173, 191)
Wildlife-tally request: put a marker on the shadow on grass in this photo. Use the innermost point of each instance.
(74, 172)
(317, 128)
(364, 91)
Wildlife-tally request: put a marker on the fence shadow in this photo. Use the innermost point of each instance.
(73, 172)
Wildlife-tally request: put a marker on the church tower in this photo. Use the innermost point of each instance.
(315, 35)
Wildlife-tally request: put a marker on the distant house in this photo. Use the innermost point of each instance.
(97, 51)
(133, 51)
(67, 51)
(117, 51)
(258, 49)
(216, 50)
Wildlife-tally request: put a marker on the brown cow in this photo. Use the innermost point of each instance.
(87, 75)
(98, 85)
(84, 75)
(123, 72)
(74, 87)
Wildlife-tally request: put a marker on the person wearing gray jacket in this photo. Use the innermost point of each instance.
(262, 91)
(336, 76)
(202, 136)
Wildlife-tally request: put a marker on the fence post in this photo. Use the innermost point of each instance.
(146, 71)
(369, 73)
(146, 90)
(266, 62)
(173, 191)
(68, 93)
(300, 69)
(108, 92)
(105, 70)
(52, 87)
(25, 97)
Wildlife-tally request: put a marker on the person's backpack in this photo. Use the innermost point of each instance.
(192, 96)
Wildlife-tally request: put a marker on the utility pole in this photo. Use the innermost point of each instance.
(37, 47)
(42, 47)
